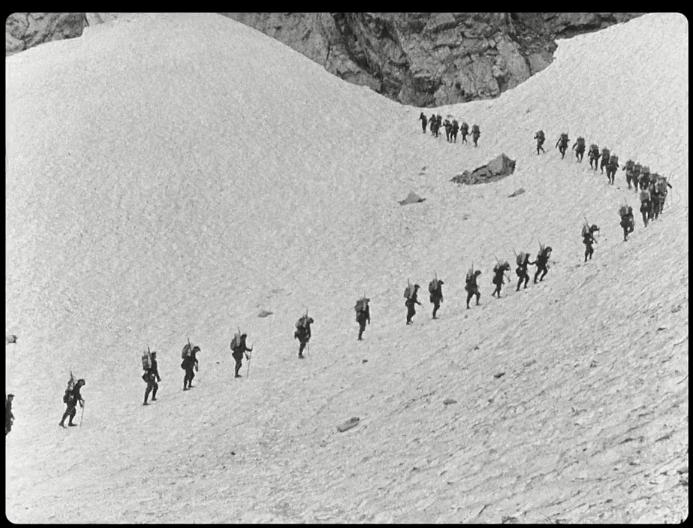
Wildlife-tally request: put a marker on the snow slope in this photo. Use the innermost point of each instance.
(165, 188)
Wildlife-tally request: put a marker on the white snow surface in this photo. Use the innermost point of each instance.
(169, 176)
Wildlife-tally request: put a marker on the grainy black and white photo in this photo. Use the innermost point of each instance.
(361, 268)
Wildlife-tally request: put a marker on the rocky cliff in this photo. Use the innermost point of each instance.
(424, 59)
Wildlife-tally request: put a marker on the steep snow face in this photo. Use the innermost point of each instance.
(163, 189)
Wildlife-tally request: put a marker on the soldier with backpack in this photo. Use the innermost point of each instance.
(611, 168)
(475, 134)
(424, 121)
(472, 286)
(635, 178)
(539, 136)
(594, 156)
(435, 290)
(71, 398)
(579, 148)
(151, 375)
(562, 144)
(464, 130)
(411, 296)
(9, 417)
(605, 160)
(432, 124)
(588, 239)
(522, 261)
(542, 263)
(447, 125)
(627, 221)
(303, 333)
(363, 314)
(630, 171)
(645, 177)
(645, 205)
(190, 364)
(238, 350)
(499, 276)
(455, 128)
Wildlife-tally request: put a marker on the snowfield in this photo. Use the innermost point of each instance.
(170, 176)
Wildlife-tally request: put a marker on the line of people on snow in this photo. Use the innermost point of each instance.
(653, 186)
(653, 191)
(435, 122)
(435, 287)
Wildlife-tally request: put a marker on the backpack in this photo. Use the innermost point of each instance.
(408, 291)
(433, 286)
(540, 134)
(646, 170)
(475, 129)
(361, 305)
(581, 141)
(520, 258)
(613, 160)
(187, 350)
(66, 395)
(662, 185)
(303, 321)
(236, 341)
(585, 229)
(623, 211)
(630, 165)
(605, 153)
(146, 360)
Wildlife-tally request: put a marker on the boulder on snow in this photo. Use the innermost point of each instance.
(264, 313)
(351, 422)
(10, 339)
(411, 198)
(449, 401)
(494, 170)
(516, 193)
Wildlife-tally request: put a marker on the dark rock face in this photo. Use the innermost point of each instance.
(496, 169)
(423, 59)
(25, 30)
(429, 59)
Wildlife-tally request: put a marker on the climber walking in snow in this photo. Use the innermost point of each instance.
(71, 398)
(190, 364)
(588, 239)
(542, 263)
(472, 285)
(499, 277)
(435, 290)
(562, 144)
(363, 315)
(151, 377)
(303, 332)
(424, 122)
(464, 130)
(411, 300)
(238, 350)
(594, 156)
(540, 137)
(475, 134)
(579, 148)
(605, 160)
(627, 221)
(522, 261)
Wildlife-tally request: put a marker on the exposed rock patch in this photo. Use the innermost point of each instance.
(495, 170)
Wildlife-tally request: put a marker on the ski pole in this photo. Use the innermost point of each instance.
(247, 372)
